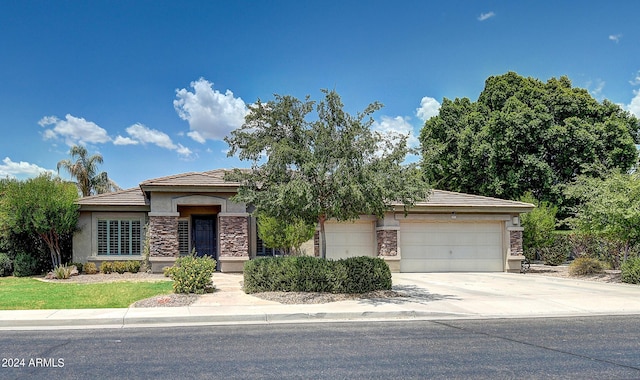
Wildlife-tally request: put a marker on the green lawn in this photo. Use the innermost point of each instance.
(28, 293)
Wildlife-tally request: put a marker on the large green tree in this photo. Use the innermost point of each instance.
(84, 169)
(525, 135)
(42, 207)
(322, 165)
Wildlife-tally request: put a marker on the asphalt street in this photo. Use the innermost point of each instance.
(534, 348)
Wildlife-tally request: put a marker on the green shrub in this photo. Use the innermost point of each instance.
(365, 274)
(77, 265)
(630, 270)
(312, 274)
(585, 265)
(90, 268)
(62, 272)
(25, 265)
(558, 252)
(597, 247)
(119, 267)
(132, 266)
(6, 266)
(106, 267)
(167, 271)
(193, 274)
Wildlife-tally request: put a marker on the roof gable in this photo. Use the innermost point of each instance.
(212, 178)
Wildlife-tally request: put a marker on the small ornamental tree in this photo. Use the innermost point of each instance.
(286, 236)
(43, 207)
(320, 166)
(539, 225)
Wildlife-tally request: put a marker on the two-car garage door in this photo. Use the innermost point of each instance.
(451, 247)
(425, 246)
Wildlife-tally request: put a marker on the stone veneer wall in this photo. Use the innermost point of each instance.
(515, 243)
(234, 235)
(163, 231)
(387, 242)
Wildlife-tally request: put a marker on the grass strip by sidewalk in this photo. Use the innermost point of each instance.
(30, 294)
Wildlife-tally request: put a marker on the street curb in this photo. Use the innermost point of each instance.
(253, 318)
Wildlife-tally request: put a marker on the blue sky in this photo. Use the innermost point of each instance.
(154, 86)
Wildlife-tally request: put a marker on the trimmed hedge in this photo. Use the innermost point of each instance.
(312, 274)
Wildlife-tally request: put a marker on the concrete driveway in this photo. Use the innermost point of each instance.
(516, 295)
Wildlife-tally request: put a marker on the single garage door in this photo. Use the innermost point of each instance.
(350, 239)
(451, 247)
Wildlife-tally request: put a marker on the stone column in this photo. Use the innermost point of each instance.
(387, 239)
(515, 254)
(515, 242)
(233, 241)
(163, 244)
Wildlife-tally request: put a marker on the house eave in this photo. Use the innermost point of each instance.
(467, 209)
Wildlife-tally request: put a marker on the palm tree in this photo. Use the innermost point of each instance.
(85, 171)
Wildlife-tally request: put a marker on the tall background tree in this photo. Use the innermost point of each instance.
(523, 135)
(320, 166)
(41, 208)
(84, 169)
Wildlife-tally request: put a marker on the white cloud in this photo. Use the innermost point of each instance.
(210, 113)
(396, 125)
(124, 141)
(74, 130)
(636, 80)
(21, 169)
(615, 37)
(429, 107)
(486, 16)
(150, 136)
(141, 134)
(197, 137)
(183, 150)
(634, 106)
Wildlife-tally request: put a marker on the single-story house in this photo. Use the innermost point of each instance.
(194, 211)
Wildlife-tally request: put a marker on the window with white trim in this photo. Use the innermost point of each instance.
(119, 237)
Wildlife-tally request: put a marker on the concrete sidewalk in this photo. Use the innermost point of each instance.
(431, 296)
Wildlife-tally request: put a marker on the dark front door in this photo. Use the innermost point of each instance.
(204, 235)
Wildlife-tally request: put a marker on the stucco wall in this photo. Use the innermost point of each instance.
(85, 241)
(82, 239)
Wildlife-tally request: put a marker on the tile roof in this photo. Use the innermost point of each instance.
(129, 197)
(215, 178)
(450, 198)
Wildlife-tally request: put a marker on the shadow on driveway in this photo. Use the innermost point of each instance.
(408, 294)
